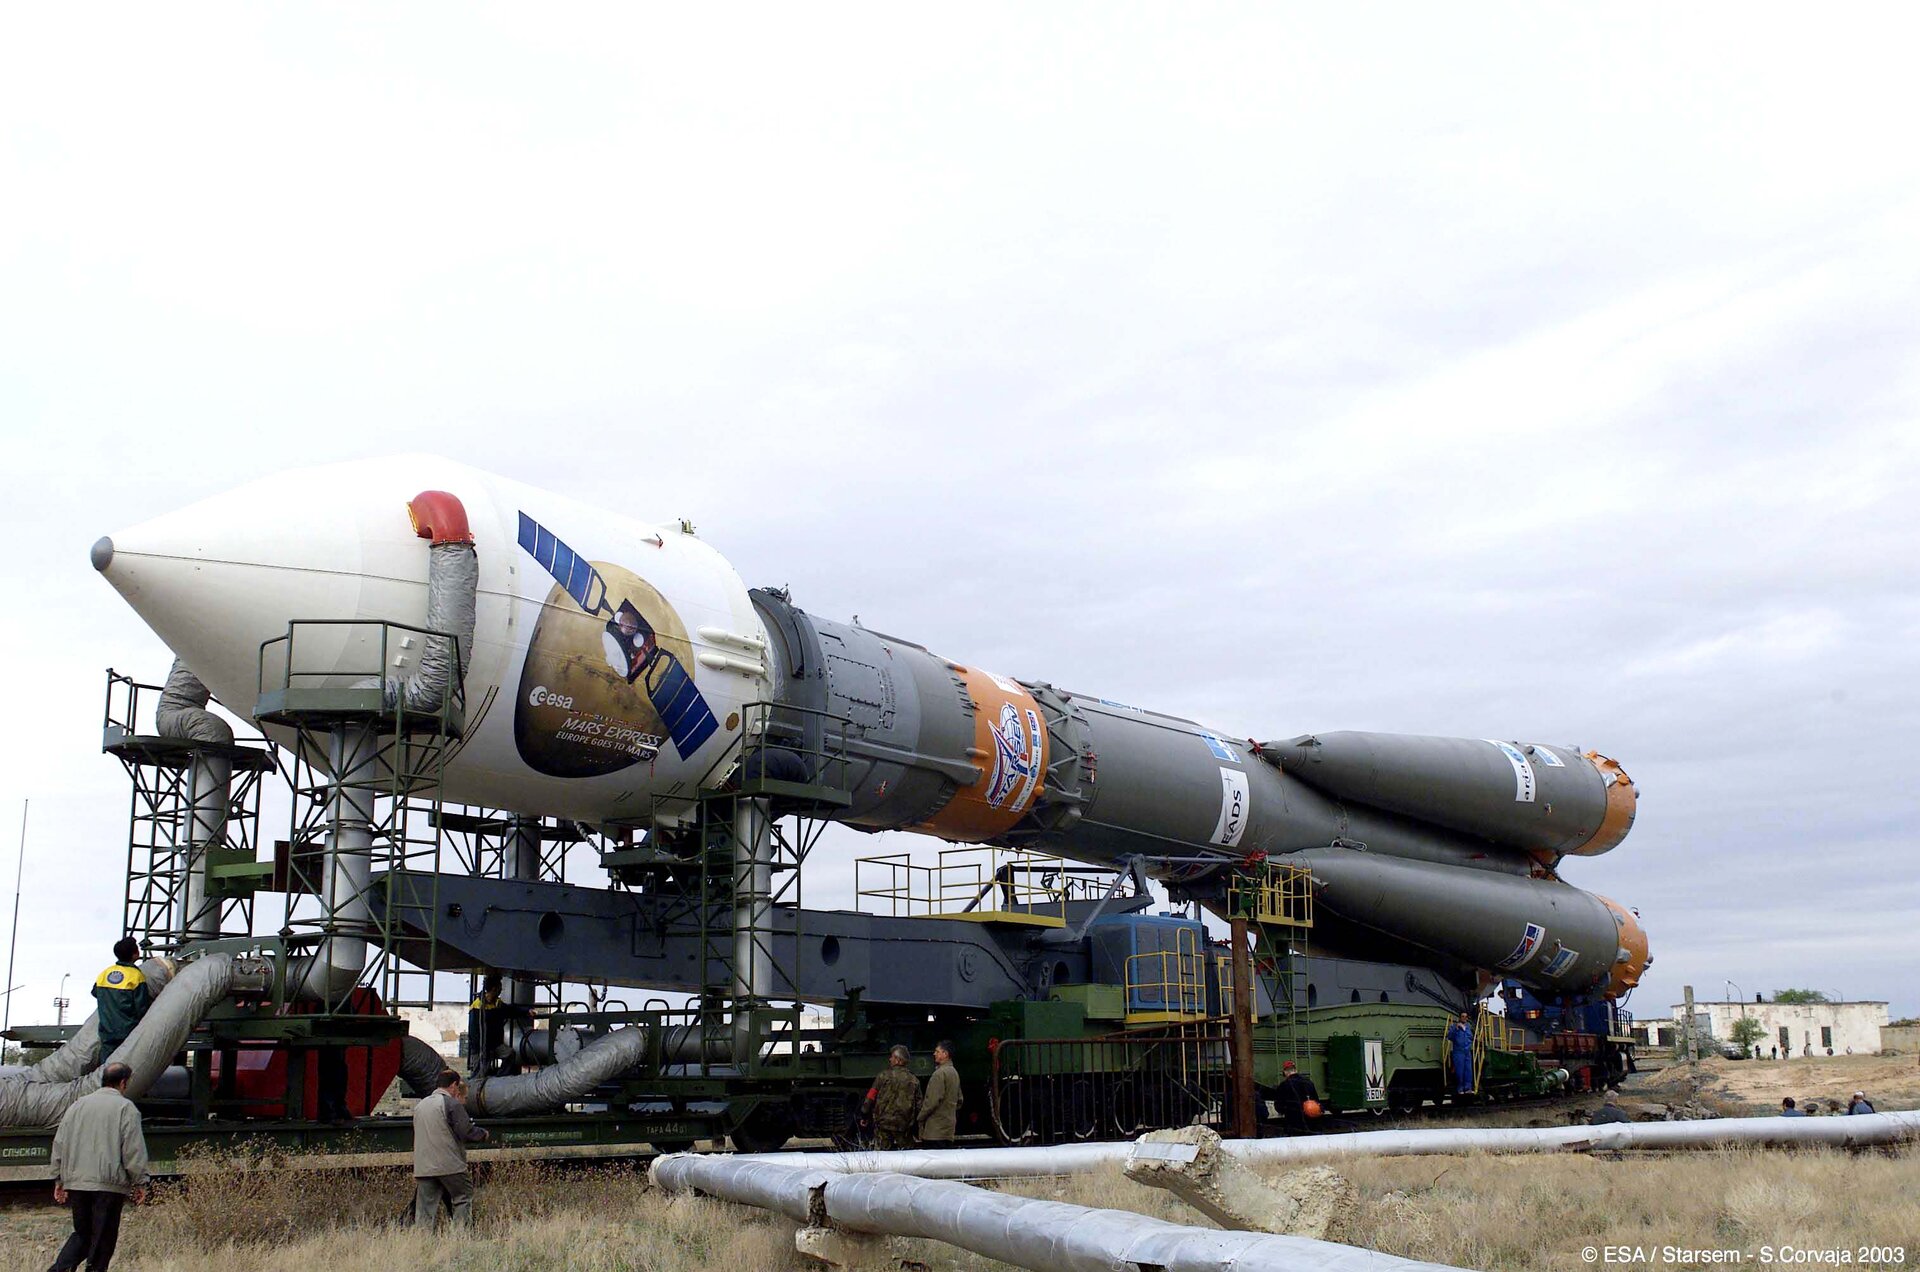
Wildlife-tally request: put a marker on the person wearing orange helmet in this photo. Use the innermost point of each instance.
(1297, 1099)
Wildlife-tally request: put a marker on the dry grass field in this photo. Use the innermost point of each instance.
(1476, 1212)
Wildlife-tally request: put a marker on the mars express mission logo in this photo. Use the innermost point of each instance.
(606, 683)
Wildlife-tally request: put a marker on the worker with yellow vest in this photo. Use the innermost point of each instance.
(487, 1049)
(122, 994)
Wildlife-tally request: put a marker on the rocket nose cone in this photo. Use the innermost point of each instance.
(219, 578)
(102, 553)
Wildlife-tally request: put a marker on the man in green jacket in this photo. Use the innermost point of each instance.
(99, 1160)
(940, 1110)
(892, 1102)
(122, 995)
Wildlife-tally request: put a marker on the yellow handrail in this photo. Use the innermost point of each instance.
(1275, 894)
(1491, 1032)
(982, 884)
(1167, 985)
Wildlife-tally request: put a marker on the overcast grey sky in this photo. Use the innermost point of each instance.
(1539, 372)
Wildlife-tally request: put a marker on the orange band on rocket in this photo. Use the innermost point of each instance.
(1010, 748)
(1631, 960)
(1622, 800)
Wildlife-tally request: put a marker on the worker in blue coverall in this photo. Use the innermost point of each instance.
(1460, 1039)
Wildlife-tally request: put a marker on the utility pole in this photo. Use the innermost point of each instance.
(6, 1014)
(1245, 1113)
(1693, 1046)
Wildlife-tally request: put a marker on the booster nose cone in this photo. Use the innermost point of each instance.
(102, 553)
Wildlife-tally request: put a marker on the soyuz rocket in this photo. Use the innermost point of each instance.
(612, 661)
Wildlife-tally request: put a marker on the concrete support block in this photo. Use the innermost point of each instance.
(1316, 1202)
(835, 1248)
(1325, 1202)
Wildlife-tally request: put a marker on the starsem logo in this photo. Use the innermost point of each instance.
(545, 697)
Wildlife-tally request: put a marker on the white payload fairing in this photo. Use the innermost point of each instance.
(612, 662)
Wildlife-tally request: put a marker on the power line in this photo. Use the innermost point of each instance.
(6, 1015)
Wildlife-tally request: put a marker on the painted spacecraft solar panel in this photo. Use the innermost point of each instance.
(614, 661)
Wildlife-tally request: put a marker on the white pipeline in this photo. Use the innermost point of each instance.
(1049, 1236)
(1072, 1159)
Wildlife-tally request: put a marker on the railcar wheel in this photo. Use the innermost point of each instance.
(765, 1129)
(1082, 1109)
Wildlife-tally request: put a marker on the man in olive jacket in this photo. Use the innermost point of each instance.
(940, 1109)
(99, 1160)
(441, 1132)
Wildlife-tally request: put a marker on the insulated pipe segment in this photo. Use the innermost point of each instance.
(453, 584)
(149, 1050)
(182, 714)
(1076, 1159)
(752, 918)
(420, 1066)
(353, 755)
(568, 1082)
(81, 1052)
(1048, 1236)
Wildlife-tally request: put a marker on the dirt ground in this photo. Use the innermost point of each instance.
(1755, 1087)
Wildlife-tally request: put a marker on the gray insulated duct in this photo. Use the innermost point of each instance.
(568, 1082)
(81, 1053)
(354, 751)
(148, 1050)
(453, 582)
(183, 715)
(420, 1066)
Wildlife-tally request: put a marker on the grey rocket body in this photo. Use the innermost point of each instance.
(1443, 850)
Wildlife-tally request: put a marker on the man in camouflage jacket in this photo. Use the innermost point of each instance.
(893, 1103)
